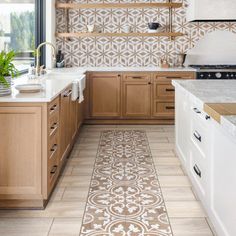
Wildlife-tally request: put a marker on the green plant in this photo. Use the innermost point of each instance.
(7, 68)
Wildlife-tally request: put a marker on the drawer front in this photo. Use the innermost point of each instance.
(164, 108)
(53, 107)
(135, 77)
(164, 91)
(199, 131)
(53, 125)
(168, 76)
(198, 171)
(53, 150)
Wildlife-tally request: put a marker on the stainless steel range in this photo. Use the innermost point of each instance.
(215, 71)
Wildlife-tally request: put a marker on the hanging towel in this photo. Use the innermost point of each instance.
(75, 90)
(81, 86)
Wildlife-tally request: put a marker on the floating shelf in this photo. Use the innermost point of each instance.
(117, 5)
(161, 34)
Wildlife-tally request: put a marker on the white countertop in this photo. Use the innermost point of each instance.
(212, 91)
(53, 86)
(58, 79)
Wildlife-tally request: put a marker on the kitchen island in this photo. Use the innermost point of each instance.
(206, 144)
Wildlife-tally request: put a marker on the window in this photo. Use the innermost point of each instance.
(18, 29)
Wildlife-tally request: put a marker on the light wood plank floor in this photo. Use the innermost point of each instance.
(63, 215)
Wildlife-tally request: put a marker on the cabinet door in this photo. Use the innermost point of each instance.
(20, 156)
(105, 95)
(223, 189)
(182, 126)
(136, 99)
(65, 124)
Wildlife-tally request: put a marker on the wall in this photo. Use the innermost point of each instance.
(129, 51)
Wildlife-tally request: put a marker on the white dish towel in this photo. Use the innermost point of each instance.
(81, 90)
(75, 90)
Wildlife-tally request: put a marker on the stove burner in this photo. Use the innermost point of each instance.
(217, 67)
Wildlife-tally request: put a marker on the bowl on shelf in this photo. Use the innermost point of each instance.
(153, 25)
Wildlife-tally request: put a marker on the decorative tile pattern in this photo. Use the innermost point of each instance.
(129, 51)
(125, 197)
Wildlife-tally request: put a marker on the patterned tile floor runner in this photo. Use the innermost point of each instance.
(124, 196)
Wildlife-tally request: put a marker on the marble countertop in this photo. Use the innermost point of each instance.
(213, 91)
(52, 84)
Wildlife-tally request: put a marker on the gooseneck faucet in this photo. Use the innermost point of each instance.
(38, 55)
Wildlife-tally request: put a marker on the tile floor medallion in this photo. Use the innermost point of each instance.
(124, 196)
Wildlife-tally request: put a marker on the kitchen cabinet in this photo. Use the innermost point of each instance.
(223, 182)
(164, 93)
(136, 96)
(37, 139)
(104, 95)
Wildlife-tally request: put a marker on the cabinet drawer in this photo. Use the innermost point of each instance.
(168, 76)
(53, 125)
(199, 131)
(164, 91)
(53, 107)
(135, 77)
(198, 171)
(164, 108)
(53, 149)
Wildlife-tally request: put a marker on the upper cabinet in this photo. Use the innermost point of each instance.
(208, 10)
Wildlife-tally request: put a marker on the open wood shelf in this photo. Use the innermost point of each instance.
(117, 5)
(161, 34)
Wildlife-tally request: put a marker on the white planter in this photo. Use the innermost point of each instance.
(6, 90)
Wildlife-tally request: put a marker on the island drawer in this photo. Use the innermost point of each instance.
(53, 107)
(53, 149)
(137, 77)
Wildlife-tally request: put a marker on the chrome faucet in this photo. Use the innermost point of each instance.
(38, 70)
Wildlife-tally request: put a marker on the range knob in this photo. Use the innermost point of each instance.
(209, 75)
(218, 75)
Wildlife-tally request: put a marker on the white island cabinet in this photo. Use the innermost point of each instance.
(208, 153)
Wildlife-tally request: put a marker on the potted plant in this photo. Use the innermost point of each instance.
(7, 72)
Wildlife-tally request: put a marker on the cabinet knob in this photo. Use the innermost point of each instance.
(149, 83)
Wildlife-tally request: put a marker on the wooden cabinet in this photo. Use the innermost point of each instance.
(164, 93)
(65, 127)
(136, 95)
(141, 97)
(20, 156)
(104, 90)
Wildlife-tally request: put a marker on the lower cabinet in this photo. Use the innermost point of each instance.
(37, 137)
(133, 96)
(136, 96)
(104, 95)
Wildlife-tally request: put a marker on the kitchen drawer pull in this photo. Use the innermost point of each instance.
(197, 136)
(54, 148)
(137, 77)
(196, 110)
(170, 90)
(170, 107)
(53, 170)
(53, 108)
(68, 94)
(197, 171)
(53, 128)
(173, 77)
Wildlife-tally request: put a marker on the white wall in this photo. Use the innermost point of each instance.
(218, 47)
(50, 30)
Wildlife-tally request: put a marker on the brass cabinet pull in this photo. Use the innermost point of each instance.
(53, 150)
(173, 77)
(53, 170)
(137, 77)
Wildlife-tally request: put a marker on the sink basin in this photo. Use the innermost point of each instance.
(29, 88)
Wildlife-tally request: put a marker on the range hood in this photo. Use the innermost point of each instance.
(211, 10)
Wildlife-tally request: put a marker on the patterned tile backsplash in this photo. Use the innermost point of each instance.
(129, 51)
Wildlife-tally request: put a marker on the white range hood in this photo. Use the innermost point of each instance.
(211, 10)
